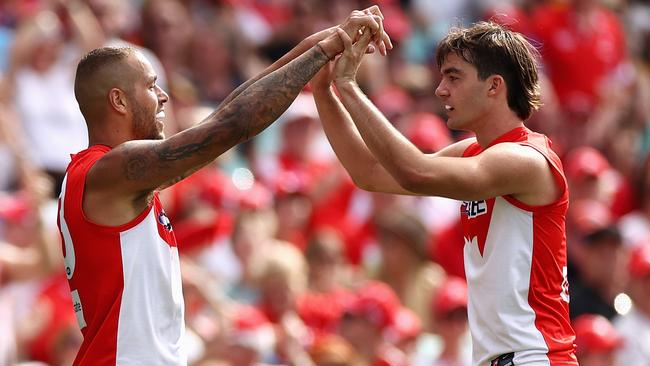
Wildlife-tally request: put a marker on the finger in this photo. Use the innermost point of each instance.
(374, 10)
(379, 36)
(362, 45)
(387, 41)
(369, 21)
(347, 41)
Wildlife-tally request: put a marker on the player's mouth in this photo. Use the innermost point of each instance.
(160, 115)
(449, 108)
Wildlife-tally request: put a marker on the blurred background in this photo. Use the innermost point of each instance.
(284, 260)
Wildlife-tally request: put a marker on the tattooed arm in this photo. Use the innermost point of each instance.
(382, 40)
(119, 184)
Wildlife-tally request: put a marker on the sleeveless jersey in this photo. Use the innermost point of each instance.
(515, 263)
(125, 281)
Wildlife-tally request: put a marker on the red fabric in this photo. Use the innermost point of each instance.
(357, 238)
(594, 333)
(549, 260)
(639, 263)
(321, 311)
(55, 294)
(451, 296)
(208, 188)
(578, 53)
(448, 250)
(376, 302)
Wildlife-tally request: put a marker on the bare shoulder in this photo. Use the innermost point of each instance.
(109, 196)
(529, 167)
(456, 149)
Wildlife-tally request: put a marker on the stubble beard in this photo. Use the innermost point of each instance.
(145, 125)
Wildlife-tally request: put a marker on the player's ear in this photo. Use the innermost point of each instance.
(496, 83)
(117, 100)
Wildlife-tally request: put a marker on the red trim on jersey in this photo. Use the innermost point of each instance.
(549, 254)
(551, 312)
(98, 252)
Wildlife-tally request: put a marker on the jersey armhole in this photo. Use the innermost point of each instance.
(119, 228)
(560, 182)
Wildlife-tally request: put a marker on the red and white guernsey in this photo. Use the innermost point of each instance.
(515, 262)
(125, 281)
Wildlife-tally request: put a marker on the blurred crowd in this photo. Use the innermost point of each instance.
(284, 261)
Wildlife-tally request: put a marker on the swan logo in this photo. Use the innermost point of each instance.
(164, 221)
(565, 286)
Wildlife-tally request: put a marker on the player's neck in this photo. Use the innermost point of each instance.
(109, 133)
(494, 126)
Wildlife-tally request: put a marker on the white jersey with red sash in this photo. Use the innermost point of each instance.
(515, 263)
(125, 281)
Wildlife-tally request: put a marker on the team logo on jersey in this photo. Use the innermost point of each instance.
(164, 221)
(565, 286)
(475, 208)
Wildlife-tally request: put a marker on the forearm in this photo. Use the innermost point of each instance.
(266, 99)
(343, 136)
(298, 50)
(148, 167)
(393, 151)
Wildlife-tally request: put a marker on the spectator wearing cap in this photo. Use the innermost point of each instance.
(293, 207)
(453, 343)
(634, 326)
(405, 331)
(583, 167)
(321, 306)
(365, 322)
(591, 176)
(201, 207)
(597, 273)
(403, 242)
(298, 146)
(597, 341)
(311, 191)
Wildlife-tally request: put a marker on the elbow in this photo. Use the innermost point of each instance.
(411, 180)
(362, 183)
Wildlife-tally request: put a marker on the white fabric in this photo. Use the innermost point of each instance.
(500, 280)
(45, 102)
(152, 290)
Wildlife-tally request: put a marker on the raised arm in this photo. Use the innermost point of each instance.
(364, 169)
(133, 169)
(381, 39)
(504, 169)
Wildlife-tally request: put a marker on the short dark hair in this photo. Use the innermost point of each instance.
(88, 68)
(495, 50)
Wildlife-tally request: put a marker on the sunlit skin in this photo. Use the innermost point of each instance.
(463, 94)
(147, 108)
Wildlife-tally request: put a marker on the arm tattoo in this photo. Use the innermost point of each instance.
(178, 153)
(264, 101)
(246, 115)
(135, 167)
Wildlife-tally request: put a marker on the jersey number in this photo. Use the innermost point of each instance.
(70, 260)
